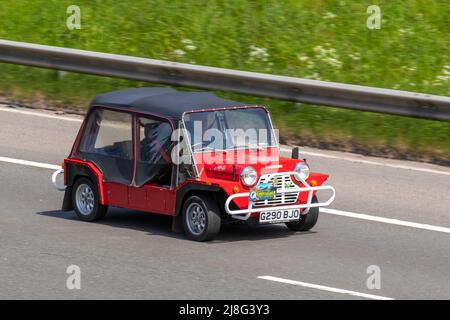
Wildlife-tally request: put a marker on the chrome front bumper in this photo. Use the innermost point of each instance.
(244, 214)
(55, 183)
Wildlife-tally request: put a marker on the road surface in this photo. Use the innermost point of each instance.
(392, 216)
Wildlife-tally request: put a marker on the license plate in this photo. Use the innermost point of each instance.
(279, 216)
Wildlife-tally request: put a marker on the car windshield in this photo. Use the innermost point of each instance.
(229, 129)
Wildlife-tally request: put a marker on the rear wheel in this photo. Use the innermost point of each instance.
(201, 218)
(86, 200)
(307, 221)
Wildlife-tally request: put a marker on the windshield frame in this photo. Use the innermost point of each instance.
(270, 123)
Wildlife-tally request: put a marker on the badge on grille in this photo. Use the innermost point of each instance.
(263, 191)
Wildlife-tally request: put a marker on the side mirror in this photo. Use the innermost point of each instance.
(295, 153)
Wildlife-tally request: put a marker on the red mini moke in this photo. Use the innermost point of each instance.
(190, 155)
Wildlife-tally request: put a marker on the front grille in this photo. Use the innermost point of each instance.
(287, 197)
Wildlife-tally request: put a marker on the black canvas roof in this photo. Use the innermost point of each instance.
(165, 102)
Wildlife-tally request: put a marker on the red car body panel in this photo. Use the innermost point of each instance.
(94, 169)
(160, 199)
(228, 178)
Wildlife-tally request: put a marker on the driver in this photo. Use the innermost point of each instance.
(157, 141)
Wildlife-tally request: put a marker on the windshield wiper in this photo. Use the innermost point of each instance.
(204, 149)
(259, 146)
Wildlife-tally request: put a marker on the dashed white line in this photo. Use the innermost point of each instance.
(40, 114)
(325, 288)
(30, 163)
(386, 220)
(375, 163)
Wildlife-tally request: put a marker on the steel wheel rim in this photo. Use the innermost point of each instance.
(85, 199)
(196, 219)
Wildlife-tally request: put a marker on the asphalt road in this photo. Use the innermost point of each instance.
(135, 255)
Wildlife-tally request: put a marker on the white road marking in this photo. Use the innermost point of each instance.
(375, 163)
(324, 210)
(30, 163)
(386, 220)
(324, 288)
(40, 114)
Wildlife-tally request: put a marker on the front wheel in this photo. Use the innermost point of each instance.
(86, 200)
(307, 221)
(201, 218)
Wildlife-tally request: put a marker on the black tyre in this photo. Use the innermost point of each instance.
(307, 221)
(201, 218)
(86, 200)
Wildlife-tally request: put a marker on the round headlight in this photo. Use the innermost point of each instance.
(249, 176)
(302, 169)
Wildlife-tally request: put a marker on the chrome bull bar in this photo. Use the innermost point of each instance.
(244, 214)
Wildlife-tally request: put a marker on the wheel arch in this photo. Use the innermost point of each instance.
(194, 189)
(76, 170)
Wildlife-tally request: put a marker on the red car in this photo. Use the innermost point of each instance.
(190, 155)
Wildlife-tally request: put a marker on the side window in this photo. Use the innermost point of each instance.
(108, 142)
(109, 133)
(154, 151)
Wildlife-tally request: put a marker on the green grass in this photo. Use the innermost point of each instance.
(295, 38)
